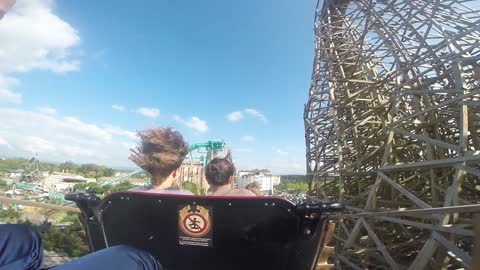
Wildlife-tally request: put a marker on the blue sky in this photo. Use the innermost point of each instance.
(232, 70)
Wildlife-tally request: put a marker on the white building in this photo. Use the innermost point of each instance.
(263, 177)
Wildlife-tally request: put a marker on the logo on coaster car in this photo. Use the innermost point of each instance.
(194, 220)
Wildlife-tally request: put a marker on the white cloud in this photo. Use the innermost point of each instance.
(74, 151)
(248, 138)
(234, 116)
(36, 145)
(32, 37)
(120, 132)
(257, 114)
(118, 107)
(193, 123)
(47, 110)
(4, 142)
(149, 112)
(239, 115)
(79, 126)
(60, 139)
(7, 96)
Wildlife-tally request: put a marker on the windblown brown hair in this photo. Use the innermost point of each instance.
(219, 170)
(255, 188)
(159, 152)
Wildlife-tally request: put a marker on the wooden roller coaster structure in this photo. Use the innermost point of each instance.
(392, 123)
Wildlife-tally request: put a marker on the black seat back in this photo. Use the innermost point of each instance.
(207, 233)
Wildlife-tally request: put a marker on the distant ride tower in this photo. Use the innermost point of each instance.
(392, 122)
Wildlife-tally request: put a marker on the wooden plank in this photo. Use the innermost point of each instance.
(39, 204)
(431, 163)
(469, 170)
(460, 256)
(476, 251)
(427, 140)
(434, 227)
(438, 106)
(470, 102)
(380, 246)
(428, 92)
(347, 262)
(405, 192)
(353, 234)
(425, 255)
(474, 208)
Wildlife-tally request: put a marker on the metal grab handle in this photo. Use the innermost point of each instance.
(320, 207)
(86, 202)
(76, 197)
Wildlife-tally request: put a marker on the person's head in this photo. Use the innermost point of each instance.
(255, 188)
(160, 153)
(220, 172)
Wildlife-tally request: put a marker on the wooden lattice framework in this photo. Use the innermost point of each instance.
(392, 123)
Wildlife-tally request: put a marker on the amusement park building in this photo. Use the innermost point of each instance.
(194, 173)
(263, 177)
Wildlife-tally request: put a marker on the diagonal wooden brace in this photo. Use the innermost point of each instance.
(322, 262)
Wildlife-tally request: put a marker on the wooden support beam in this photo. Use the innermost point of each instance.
(405, 192)
(428, 140)
(425, 255)
(436, 107)
(380, 246)
(475, 208)
(459, 255)
(347, 262)
(433, 227)
(469, 170)
(431, 164)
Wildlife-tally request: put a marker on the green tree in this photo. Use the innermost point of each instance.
(70, 218)
(80, 187)
(68, 166)
(108, 172)
(3, 183)
(69, 240)
(192, 188)
(122, 186)
(91, 188)
(95, 188)
(9, 215)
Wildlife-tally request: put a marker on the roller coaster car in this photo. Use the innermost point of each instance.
(186, 232)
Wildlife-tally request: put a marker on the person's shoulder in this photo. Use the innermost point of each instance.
(178, 191)
(241, 192)
(163, 191)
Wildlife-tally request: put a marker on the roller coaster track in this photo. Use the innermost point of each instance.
(392, 122)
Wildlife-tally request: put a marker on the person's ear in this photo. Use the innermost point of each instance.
(176, 173)
(230, 180)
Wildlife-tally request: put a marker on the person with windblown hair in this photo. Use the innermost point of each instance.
(160, 153)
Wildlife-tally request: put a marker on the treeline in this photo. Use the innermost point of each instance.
(293, 178)
(87, 170)
(291, 187)
(97, 189)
